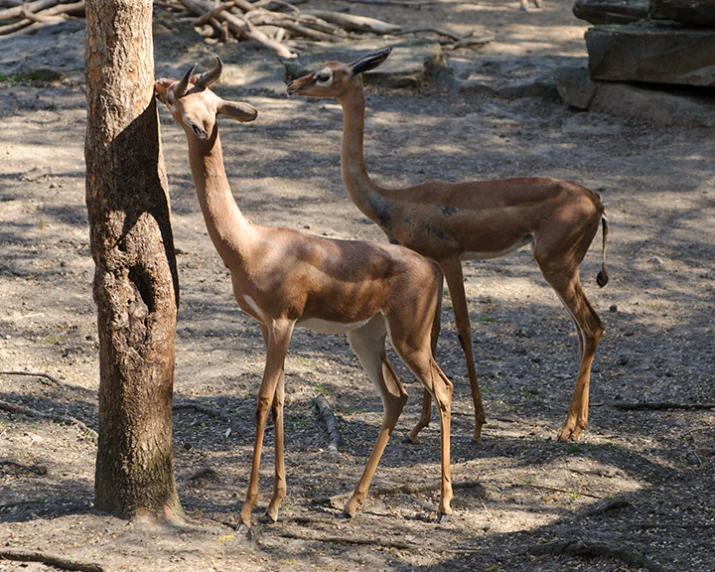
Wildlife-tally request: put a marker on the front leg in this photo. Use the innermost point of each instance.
(279, 333)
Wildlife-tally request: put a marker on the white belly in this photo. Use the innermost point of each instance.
(497, 253)
(325, 327)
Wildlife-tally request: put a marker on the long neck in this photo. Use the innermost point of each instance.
(367, 196)
(229, 230)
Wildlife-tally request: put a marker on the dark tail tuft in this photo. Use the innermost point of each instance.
(602, 278)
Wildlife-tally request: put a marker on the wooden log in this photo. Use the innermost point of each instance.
(17, 11)
(693, 12)
(243, 29)
(356, 23)
(325, 411)
(653, 53)
(611, 11)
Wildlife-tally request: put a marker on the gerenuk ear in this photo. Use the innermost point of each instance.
(161, 87)
(239, 111)
(369, 62)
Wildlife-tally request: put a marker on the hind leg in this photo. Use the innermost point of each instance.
(426, 414)
(452, 269)
(368, 343)
(414, 349)
(589, 328)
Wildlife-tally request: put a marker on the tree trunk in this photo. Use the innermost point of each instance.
(135, 281)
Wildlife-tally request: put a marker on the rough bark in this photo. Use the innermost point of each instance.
(135, 281)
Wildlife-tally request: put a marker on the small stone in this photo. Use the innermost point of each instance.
(613, 308)
(657, 260)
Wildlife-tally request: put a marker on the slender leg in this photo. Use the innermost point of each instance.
(279, 333)
(589, 328)
(426, 414)
(428, 372)
(452, 269)
(279, 481)
(368, 343)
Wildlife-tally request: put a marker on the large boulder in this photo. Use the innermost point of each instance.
(611, 11)
(653, 53)
(672, 106)
(694, 12)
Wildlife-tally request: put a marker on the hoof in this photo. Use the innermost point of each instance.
(267, 519)
(409, 440)
(442, 518)
(243, 528)
(345, 514)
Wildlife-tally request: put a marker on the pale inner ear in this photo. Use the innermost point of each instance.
(162, 86)
(239, 111)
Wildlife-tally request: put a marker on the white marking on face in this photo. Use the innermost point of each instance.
(324, 77)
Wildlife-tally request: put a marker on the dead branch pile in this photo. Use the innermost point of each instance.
(277, 25)
(29, 17)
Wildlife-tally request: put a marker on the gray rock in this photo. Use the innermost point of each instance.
(575, 87)
(695, 12)
(611, 11)
(55, 49)
(652, 52)
(630, 100)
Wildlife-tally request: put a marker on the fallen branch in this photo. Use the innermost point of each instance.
(205, 409)
(18, 468)
(347, 540)
(56, 382)
(243, 29)
(336, 501)
(417, 3)
(598, 549)
(200, 21)
(449, 35)
(601, 508)
(556, 490)
(28, 411)
(356, 23)
(325, 411)
(50, 559)
(17, 12)
(656, 406)
(466, 42)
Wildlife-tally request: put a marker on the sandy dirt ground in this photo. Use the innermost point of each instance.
(634, 494)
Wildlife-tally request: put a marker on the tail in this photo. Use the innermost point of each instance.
(602, 278)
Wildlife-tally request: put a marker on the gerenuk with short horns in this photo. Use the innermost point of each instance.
(284, 278)
(451, 222)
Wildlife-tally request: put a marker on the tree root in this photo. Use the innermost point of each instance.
(28, 411)
(51, 559)
(596, 549)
